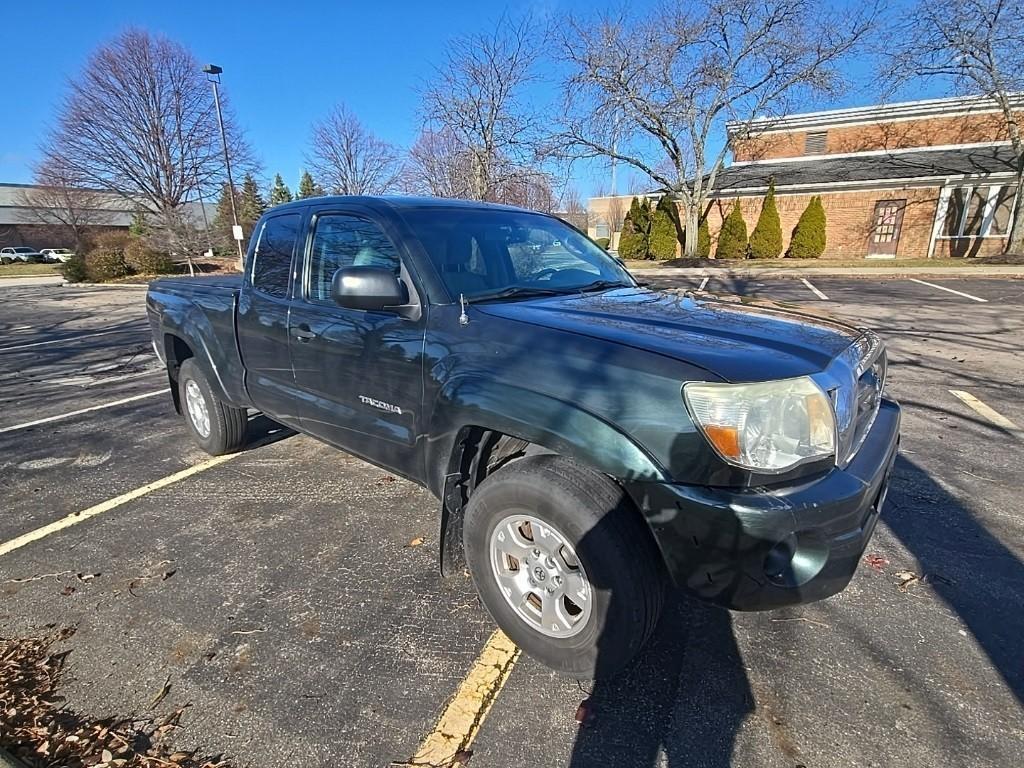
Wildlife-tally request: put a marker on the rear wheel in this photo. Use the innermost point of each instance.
(216, 427)
(565, 564)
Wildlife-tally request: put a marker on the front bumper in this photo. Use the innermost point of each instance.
(761, 548)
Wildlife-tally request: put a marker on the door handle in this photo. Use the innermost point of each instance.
(303, 333)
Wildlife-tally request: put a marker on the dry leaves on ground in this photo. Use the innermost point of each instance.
(37, 727)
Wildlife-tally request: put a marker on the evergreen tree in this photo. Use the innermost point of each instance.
(766, 239)
(703, 239)
(279, 193)
(307, 187)
(222, 221)
(808, 239)
(664, 234)
(732, 239)
(635, 229)
(250, 204)
(139, 226)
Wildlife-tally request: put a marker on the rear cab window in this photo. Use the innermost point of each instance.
(272, 256)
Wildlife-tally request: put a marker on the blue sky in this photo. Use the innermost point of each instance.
(285, 63)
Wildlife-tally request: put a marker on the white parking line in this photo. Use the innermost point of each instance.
(817, 293)
(69, 338)
(985, 410)
(949, 290)
(78, 517)
(703, 283)
(80, 411)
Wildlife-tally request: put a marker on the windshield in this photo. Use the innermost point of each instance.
(480, 253)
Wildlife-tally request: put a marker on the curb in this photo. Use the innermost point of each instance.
(1009, 272)
(67, 284)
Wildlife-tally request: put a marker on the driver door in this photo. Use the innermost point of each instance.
(359, 371)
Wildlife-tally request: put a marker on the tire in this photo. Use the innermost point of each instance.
(594, 637)
(223, 430)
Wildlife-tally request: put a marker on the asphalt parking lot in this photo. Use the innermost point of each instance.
(290, 594)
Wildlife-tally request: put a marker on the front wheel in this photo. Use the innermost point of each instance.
(216, 427)
(564, 564)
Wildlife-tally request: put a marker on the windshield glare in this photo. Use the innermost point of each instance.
(480, 252)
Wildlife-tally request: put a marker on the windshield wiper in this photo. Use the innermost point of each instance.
(516, 292)
(601, 285)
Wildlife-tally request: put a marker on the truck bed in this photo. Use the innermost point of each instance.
(214, 282)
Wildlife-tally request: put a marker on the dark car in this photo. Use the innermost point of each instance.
(590, 441)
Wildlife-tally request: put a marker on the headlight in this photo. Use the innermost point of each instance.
(766, 427)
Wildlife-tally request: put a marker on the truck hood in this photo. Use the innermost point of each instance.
(735, 341)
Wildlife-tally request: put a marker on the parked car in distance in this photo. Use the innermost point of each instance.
(590, 441)
(21, 253)
(57, 255)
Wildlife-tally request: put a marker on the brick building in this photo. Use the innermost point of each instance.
(918, 179)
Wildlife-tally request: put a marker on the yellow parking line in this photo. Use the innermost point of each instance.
(461, 720)
(79, 517)
(985, 410)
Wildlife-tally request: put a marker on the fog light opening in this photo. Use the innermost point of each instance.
(795, 560)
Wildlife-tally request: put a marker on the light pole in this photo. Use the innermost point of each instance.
(213, 73)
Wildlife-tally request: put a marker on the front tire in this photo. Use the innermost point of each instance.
(216, 427)
(564, 564)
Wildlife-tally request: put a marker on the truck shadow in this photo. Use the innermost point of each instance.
(966, 565)
(686, 696)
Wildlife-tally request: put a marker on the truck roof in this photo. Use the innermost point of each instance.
(399, 202)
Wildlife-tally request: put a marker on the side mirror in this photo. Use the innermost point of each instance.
(373, 288)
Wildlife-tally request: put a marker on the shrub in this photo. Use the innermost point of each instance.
(808, 240)
(633, 242)
(703, 239)
(74, 270)
(766, 239)
(664, 236)
(143, 260)
(732, 239)
(106, 260)
(604, 242)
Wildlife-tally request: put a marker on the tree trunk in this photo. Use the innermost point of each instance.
(1015, 242)
(692, 224)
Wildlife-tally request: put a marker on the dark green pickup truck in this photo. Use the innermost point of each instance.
(591, 441)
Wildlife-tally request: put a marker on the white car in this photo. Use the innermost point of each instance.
(55, 255)
(22, 254)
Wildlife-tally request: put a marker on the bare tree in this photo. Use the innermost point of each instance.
(478, 97)
(974, 46)
(654, 93)
(140, 121)
(349, 160)
(60, 202)
(439, 165)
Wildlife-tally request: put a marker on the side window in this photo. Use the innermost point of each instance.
(346, 241)
(272, 259)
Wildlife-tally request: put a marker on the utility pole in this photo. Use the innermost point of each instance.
(213, 73)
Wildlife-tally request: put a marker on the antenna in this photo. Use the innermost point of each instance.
(463, 318)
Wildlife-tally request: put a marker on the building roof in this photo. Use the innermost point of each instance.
(866, 170)
(113, 210)
(876, 113)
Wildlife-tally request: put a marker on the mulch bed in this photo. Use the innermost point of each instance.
(38, 728)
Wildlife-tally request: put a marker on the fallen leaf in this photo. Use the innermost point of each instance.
(877, 562)
(415, 542)
(163, 693)
(106, 756)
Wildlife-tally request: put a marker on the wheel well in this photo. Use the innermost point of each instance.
(478, 452)
(177, 351)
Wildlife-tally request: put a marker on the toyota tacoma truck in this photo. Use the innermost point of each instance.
(591, 442)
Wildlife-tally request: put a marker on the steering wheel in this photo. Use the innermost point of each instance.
(545, 273)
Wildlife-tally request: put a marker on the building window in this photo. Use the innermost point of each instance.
(981, 211)
(601, 229)
(814, 142)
